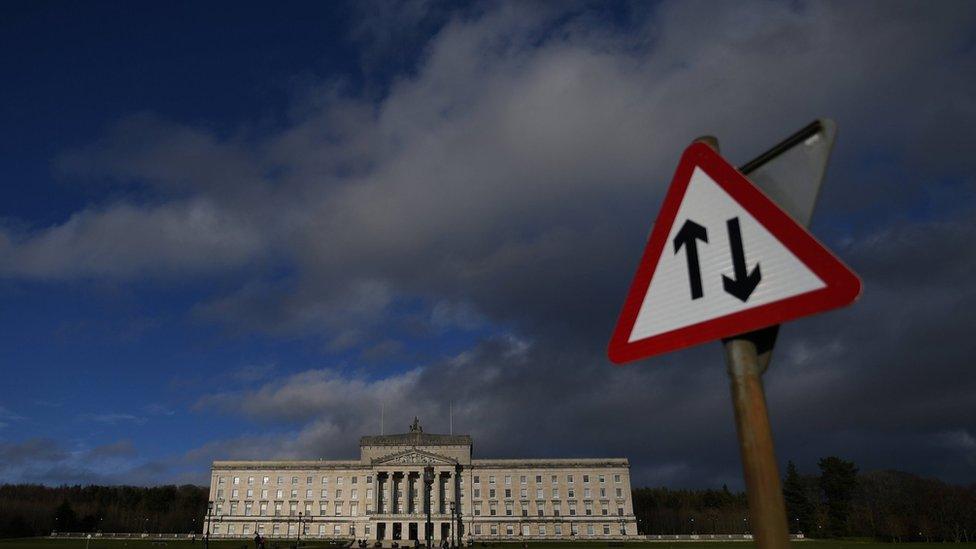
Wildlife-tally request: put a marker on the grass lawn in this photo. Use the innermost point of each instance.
(45, 543)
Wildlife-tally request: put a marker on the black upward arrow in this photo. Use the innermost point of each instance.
(743, 285)
(687, 236)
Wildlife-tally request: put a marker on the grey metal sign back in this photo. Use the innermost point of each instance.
(791, 171)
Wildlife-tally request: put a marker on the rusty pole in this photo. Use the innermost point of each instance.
(763, 489)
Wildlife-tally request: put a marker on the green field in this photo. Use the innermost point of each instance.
(45, 543)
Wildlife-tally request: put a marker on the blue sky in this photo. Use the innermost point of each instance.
(232, 231)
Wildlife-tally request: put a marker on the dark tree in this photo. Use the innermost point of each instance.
(799, 508)
(65, 518)
(838, 481)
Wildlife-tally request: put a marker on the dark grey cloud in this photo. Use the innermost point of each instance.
(44, 460)
(506, 182)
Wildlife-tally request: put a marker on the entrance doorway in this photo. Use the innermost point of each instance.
(428, 531)
(412, 531)
(445, 531)
(397, 530)
(380, 530)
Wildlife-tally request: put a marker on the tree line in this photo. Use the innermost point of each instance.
(838, 501)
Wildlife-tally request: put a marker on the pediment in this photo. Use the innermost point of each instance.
(414, 456)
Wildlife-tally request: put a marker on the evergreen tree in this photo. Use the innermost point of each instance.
(799, 508)
(838, 481)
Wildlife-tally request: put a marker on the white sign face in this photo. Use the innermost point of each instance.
(718, 260)
(723, 259)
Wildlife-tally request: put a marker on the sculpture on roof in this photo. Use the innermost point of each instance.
(415, 426)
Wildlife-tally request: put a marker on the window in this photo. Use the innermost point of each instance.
(248, 508)
(586, 478)
(587, 493)
(491, 479)
(366, 529)
(293, 508)
(278, 494)
(265, 480)
(525, 529)
(494, 529)
(231, 529)
(276, 530)
(325, 481)
(508, 492)
(538, 479)
(558, 529)
(623, 529)
(616, 479)
(261, 529)
(538, 493)
(264, 493)
(308, 508)
(220, 480)
(542, 529)
(492, 508)
(325, 493)
(294, 493)
(294, 480)
(602, 479)
(522, 479)
(281, 480)
(606, 529)
(508, 509)
(352, 480)
(569, 479)
(589, 529)
(603, 510)
(246, 529)
(574, 529)
(554, 480)
(308, 494)
(250, 492)
(277, 508)
(572, 509)
(620, 492)
(339, 481)
(237, 480)
(509, 530)
(369, 493)
(523, 493)
(369, 480)
(540, 508)
(555, 510)
(338, 508)
(321, 529)
(571, 493)
(477, 508)
(491, 492)
(477, 479)
(352, 529)
(603, 492)
(339, 493)
(589, 508)
(336, 530)
(250, 481)
(292, 529)
(508, 480)
(235, 493)
(308, 480)
(354, 508)
(525, 508)
(220, 508)
(323, 508)
(477, 529)
(264, 508)
(555, 493)
(620, 511)
(354, 493)
(233, 507)
(220, 494)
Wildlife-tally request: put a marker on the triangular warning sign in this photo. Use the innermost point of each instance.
(722, 260)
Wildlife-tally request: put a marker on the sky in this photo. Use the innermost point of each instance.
(240, 231)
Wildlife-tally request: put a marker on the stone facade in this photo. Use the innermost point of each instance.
(380, 496)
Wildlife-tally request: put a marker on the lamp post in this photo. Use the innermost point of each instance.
(428, 482)
(452, 523)
(456, 512)
(206, 538)
(298, 539)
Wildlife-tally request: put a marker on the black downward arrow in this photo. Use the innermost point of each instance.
(743, 285)
(687, 236)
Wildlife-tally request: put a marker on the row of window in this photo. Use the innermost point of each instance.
(294, 480)
(339, 480)
(540, 509)
(350, 529)
(553, 492)
(543, 530)
(554, 479)
(309, 493)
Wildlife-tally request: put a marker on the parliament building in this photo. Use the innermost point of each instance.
(380, 496)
